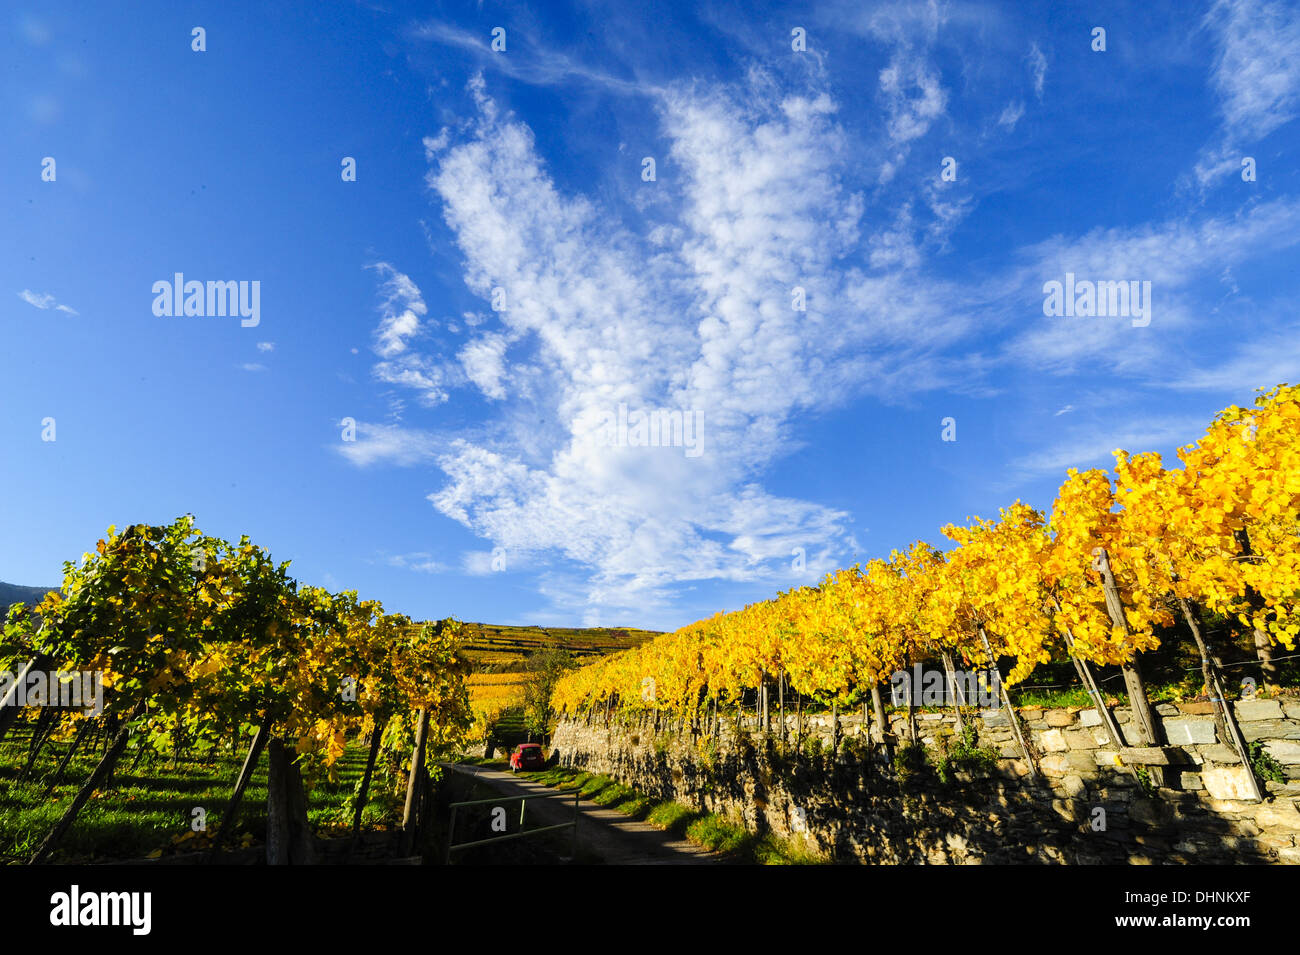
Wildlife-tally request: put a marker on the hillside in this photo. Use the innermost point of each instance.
(500, 654)
(17, 593)
(491, 644)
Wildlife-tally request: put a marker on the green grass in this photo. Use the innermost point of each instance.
(151, 807)
(704, 829)
(672, 817)
(1051, 698)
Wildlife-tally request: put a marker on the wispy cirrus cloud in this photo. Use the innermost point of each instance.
(1255, 75)
(1272, 356)
(910, 89)
(1094, 446)
(401, 310)
(1179, 256)
(421, 562)
(45, 301)
(389, 444)
(691, 309)
(525, 61)
(695, 317)
(1037, 69)
(400, 324)
(1011, 115)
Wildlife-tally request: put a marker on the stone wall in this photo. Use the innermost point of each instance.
(1185, 802)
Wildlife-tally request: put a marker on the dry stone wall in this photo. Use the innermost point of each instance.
(843, 791)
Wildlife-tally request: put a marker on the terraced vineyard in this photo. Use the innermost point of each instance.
(489, 643)
(500, 654)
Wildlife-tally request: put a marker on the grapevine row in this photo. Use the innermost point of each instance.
(199, 641)
(1218, 533)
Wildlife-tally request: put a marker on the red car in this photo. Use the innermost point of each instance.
(527, 756)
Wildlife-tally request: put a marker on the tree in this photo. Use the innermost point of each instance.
(545, 668)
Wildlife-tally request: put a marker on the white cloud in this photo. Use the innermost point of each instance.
(417, 372)
(599, 317)
(392, 444)
(1094, 446)
(1011, 114)
(266, 346)
(45, 301)
(1175, 256)
(694, 313)
(252, 366)
(913, 97)
(1255, 75)
(421, 562)
(524, 60)
(1038, 68)
(477, 563)
(483, 360)
(1257, 69)
(1271, 358)
(910, 89)
(435, 144)
(400, 311)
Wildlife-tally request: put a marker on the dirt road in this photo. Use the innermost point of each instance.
(614, 837)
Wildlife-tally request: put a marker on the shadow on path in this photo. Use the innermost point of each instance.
(617, 839)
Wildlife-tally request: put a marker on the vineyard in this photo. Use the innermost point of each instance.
(201, 650)
(500, 659)
(1123, 563)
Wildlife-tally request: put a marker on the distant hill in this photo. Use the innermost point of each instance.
(16, 593)
(499, 655)
(494, 644)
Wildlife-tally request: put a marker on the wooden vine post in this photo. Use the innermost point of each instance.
(288, 833)
(1225, 718)
(1143, 716)
(1090, 684)
(9, 705)
(1098, 700)
(1263, 646)
(41, 733)
(86, 724)
(781, 704)
(913, 734)
(1011, 710)
(97, 777)
(241, 783)
(376, 738)
(410, 811)
(878, 706)
(958, 698)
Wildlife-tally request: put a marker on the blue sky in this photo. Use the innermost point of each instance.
(484, 480)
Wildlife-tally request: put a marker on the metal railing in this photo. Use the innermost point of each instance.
(453, 846)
